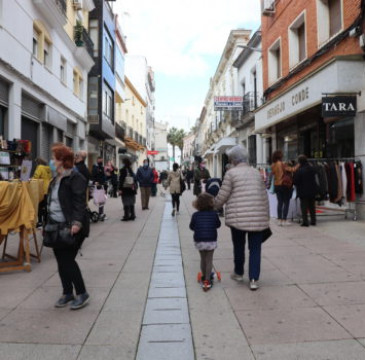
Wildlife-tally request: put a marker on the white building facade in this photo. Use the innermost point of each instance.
(43, 74)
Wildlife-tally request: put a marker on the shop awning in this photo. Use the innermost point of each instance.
(209, 152)
(224, 143)
(130, 143)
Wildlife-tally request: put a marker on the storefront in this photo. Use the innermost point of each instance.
(318, 116)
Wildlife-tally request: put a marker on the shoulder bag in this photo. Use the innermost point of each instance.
(58, 236)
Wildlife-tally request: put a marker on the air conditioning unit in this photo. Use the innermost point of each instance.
(268, 7)
(77, 4)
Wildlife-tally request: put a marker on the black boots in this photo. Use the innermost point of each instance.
(128, 213)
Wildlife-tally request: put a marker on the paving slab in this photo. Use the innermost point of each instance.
(110, 352)
(280, 326)
(326, 350)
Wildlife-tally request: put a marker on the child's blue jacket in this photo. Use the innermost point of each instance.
(205, 225)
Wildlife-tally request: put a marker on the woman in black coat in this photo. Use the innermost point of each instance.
(128, 190)
(67, 207)
(307, 189)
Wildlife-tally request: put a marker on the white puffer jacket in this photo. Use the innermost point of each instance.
(244, 193)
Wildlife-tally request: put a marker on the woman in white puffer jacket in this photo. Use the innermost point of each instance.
(247, 211)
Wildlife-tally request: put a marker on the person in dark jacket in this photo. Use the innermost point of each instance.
(205, 223)
(145, 180)
(189, 177)
(99, 179)
(66, 205)
(307, 188)
(81, 167)
(128, 190)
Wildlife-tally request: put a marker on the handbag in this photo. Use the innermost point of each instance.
(266, 234)
(182, 185)
(58, 236)
(99, 196)
(128, 182)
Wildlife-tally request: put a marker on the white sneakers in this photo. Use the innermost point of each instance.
(254, 285)
(236, 277)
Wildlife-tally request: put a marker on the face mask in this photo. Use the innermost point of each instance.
(202, 166)
(52, 166)
(100, 163)
(145, 165)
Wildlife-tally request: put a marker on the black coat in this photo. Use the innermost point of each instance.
(305, 181)
(71, 194)
(82, 169)
(205, 225)
(98, 174)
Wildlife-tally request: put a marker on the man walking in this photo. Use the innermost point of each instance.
(145, 180)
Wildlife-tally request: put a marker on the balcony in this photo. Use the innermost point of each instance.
(119, 132)
(136, 136)
(54, 11)
(82, 39)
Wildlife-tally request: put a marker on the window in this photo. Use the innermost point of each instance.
(297, 41)
(94, 35)
(108, 49)
(329, 19)
(274, 61)
(35, 42)
(42, 43)
(77, 83)
(63, 70)
(108, 102)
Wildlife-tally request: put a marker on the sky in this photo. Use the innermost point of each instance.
(183, 42)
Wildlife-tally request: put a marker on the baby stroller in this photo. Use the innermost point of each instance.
(99, 199)
(93, 215)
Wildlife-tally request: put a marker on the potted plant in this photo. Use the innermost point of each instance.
(78, 33)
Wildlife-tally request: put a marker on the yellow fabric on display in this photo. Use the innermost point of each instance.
(35, 191)
(16, 207)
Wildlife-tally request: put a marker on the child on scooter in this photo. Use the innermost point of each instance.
(205, 223)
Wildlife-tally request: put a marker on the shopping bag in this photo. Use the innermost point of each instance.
(99, 196)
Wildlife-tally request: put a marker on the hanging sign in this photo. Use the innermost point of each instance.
(152, 152)
(338, 106)
(228, 103)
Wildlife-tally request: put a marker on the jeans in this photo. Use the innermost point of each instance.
(206, 263)
(305, 205)
(283, 195)
(69, 271)
(175, 201)
(254, 246)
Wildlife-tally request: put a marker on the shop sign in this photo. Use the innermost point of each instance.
(335, 106)
(228, 103)
(152, 152)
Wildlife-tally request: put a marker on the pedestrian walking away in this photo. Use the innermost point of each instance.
(128, 190)
(283, 185)
(174, 182)
(246, 213)
(145, 180)
(99, 180)
(307, 189)
(66, 209)
(155, 182)
(205, 223)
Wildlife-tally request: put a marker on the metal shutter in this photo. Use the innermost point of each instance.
(46, 141)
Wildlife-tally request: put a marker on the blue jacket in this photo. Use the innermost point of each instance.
(212, 186)
(145, 176)
(205, 225)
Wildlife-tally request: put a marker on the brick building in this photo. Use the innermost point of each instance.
(314, 74)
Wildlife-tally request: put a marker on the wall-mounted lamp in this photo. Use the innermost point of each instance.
(249, 47)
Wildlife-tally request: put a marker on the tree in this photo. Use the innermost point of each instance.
(175, 137)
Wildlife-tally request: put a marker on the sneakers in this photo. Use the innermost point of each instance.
(173, 212)
(80, 301)
(254, 285)
(206, 285)
(236, 277)
(64, 300)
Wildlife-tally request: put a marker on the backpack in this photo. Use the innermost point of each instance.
(287, 178)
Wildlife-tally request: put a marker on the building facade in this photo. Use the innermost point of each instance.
(161, 159)
(43, 72)
(312, 63)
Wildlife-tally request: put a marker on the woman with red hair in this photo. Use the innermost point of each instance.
(66, 207)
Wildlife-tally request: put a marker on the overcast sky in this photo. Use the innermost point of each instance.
(183, 42)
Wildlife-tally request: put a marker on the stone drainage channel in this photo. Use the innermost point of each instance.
(166, 330)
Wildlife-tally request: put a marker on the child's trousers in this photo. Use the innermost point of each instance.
(206, 263)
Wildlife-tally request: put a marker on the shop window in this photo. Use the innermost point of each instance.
(42, 44)
(340, 139)
(297, 41)
(274, 61)
(2, 121)
(329, 19)
(63, 70)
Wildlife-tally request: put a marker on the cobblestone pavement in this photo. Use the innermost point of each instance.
(311, 303)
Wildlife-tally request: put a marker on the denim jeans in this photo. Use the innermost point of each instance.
(283, 195)
(254, 246)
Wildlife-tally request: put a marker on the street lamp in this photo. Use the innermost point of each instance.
(249, 47)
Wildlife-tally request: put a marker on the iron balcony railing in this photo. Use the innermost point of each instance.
(251, 101)
(62, 5)
(82, 38)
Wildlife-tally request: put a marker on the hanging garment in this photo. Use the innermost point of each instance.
(332, 182)
(343, 179)
(358, 178)
(338, 198)
(350, 193)
(16, 207)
